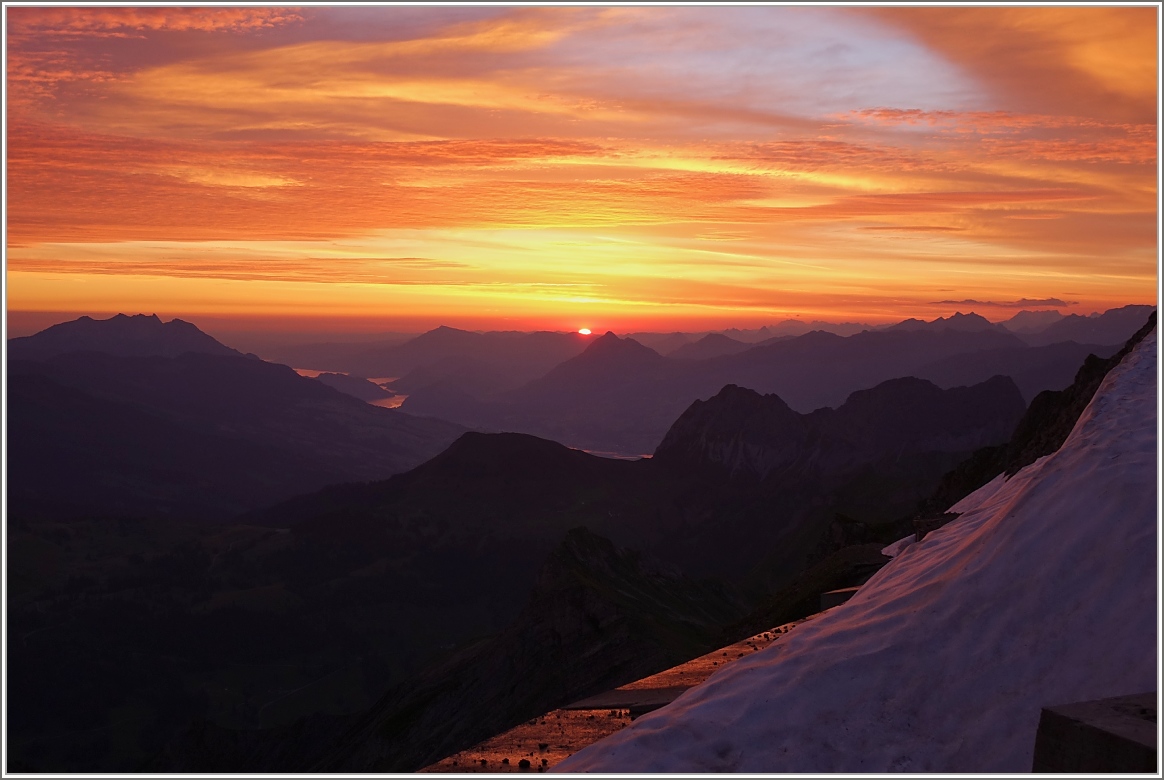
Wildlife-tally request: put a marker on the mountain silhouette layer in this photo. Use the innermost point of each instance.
(138, 336)
(619, 396)
(201, 435)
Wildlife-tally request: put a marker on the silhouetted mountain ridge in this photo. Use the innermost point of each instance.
(1031, 321)
(138, 336)
(1114, 326)
(299, 434)
(750, 434)
(1044, 427)
(501, 359)
(956, 321)
(711, 345)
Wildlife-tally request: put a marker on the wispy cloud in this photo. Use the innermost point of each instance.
(1022, 303)
(121, 22)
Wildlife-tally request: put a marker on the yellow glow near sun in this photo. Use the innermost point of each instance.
(584, 331)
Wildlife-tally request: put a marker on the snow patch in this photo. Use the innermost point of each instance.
(1042, 592)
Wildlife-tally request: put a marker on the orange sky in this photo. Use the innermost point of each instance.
(610, 167)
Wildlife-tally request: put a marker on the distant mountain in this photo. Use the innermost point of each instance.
(511, 356)
(1114, 326)
(1042, 430)
(957, 321)
(198, 436)
(711, 345)
(620, 396)
(1031, 321)
(138, 336)
(822, 369)
(663, 343)
(1033, 369)
(584, 401)
(746, 433)
(792, 327)
(605, 359)
(354, 386)
(338, 356)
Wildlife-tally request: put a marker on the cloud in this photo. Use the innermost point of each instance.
(900, 203)
(1021, 303)
(122, 22)
(1098, 61)
(984, 121)
(196, 263)
(831, 154)
(916, 228)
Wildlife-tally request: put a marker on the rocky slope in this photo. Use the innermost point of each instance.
(598, 617)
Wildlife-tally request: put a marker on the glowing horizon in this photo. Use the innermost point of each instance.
(536, 168)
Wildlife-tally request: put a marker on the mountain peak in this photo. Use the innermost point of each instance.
(1030, 321)
(731, 429)
(747, 433)
(956, 321)
(608, 344)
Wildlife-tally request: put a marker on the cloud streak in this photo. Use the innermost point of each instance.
(1022, 303)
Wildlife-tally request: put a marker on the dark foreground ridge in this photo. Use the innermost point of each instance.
(598, 617)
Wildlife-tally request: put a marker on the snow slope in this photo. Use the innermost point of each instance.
(1043, 592)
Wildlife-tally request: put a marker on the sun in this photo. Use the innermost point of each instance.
(584, 331)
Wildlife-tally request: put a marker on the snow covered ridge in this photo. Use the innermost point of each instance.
(1043, 592)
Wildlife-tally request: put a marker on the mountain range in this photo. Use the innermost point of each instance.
(621, 396)
(575, 633)
(344, 626)
(171, 422)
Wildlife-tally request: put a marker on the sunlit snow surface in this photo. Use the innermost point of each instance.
(1043, 592)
